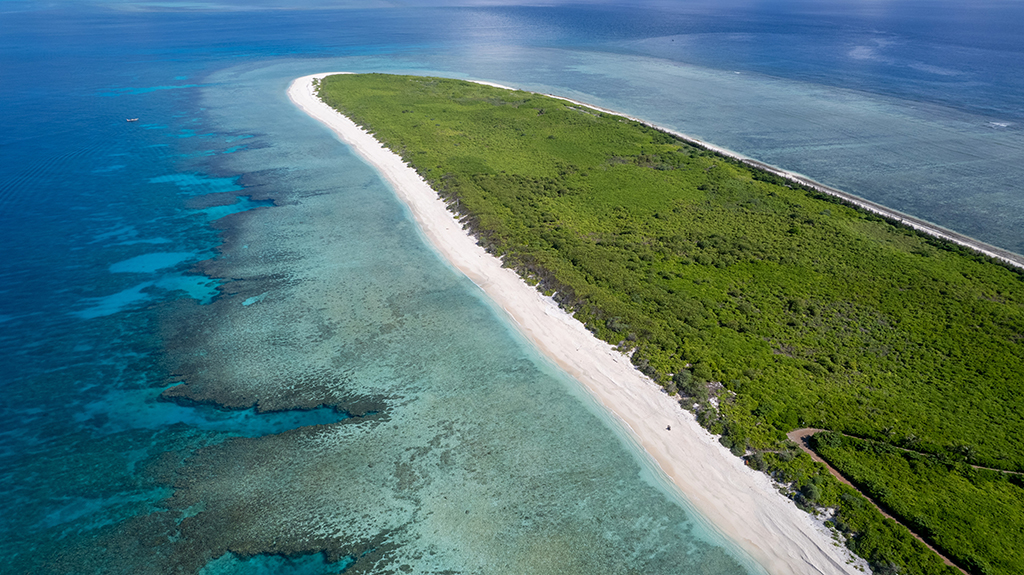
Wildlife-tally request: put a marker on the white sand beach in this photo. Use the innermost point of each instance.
(740, 502)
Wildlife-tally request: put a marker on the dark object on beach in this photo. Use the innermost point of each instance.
(668, 428)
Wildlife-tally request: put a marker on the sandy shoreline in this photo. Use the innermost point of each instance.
(934, 230)
(740, 502)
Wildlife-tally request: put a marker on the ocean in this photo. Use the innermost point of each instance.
(227, 349)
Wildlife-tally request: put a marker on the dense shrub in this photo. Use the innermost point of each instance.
(787, 306)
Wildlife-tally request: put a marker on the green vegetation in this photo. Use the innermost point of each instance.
(976, 515)
(888, 546)
(766, 305)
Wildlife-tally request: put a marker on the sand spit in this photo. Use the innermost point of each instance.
(740, 502)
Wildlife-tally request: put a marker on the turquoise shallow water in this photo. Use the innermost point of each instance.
(351, 402)
(479, 456)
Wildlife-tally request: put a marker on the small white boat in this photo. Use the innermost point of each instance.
(132, 120)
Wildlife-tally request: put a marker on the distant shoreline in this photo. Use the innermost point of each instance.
(923, 226)
(739, 502)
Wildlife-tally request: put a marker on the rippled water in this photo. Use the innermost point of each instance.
(350, 402)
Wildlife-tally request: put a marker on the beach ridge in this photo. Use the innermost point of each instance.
(741, 503)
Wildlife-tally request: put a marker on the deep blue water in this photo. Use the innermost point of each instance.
(104, 223)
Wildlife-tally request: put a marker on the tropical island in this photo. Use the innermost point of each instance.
(759, 302)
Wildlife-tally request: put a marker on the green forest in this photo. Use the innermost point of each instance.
(762, 304)
(975, 514)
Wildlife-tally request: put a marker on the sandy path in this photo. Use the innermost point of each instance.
(801, 437)
(740, 502)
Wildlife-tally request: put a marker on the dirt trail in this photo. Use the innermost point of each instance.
(801, 436)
